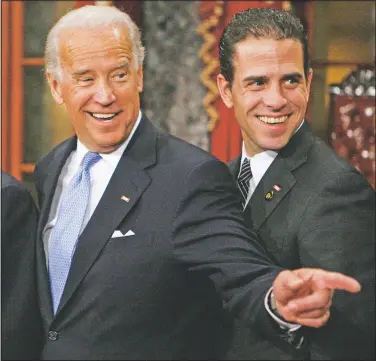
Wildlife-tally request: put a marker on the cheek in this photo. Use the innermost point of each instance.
(125, 96)
(300, 98)
(247, 102)
(79, 97)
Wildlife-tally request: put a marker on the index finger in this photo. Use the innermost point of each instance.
(336, 281)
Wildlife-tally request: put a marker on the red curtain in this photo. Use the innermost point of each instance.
(225, 136)
(80, 3)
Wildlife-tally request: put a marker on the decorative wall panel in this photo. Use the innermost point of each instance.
(352, 124)
(173, 94)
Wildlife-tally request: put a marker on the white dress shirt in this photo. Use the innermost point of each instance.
(259, 165)
(100, 174)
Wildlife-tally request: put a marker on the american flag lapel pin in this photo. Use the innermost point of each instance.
(125, 198)
(277, 187)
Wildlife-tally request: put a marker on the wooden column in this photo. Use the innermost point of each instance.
(5, 80)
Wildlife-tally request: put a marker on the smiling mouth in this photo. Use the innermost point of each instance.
(104, 117)
(273, 120)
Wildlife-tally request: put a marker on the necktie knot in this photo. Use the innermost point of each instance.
(89, 160)
(244, 178)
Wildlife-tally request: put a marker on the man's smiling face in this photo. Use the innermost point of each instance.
(269, 92)
(99, 85)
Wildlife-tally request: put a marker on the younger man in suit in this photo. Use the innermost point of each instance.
(141, 239)
(310, 207)
(21, 326)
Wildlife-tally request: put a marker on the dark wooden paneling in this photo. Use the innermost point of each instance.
(132, 8)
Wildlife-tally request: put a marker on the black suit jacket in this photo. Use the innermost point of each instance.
(323, 217)
(160, 293)
(21, 326)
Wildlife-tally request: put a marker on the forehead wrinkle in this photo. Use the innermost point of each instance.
(74, 49)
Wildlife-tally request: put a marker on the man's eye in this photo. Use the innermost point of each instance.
(256, 84)
(120, 76)
(85, 80)
(292, 81)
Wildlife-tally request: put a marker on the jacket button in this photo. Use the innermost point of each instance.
(53, 335)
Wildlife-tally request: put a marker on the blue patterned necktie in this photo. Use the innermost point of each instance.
(244, 178)
(68, 226)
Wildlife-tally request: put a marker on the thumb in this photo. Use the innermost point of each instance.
(287, 284)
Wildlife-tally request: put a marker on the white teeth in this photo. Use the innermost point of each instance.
(270, 120)
(103, 116)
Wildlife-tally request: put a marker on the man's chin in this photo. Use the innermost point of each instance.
(275, 145)
(103, 145)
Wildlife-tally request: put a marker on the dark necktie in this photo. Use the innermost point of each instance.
(244, 178)
(68, 226)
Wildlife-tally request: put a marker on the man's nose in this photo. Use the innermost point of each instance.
(274, 98)
(104, 94)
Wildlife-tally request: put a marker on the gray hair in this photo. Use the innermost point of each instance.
(90, 16)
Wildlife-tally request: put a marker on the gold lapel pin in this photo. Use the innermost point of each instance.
(269, 195)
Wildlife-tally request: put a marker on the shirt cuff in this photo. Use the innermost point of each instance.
(283, 324)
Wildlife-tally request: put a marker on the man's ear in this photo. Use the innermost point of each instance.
(55, 88)
(140, 75)
(224, 88)
(309, 81)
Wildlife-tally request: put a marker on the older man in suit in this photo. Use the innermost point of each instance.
(21, 324)
(141, 235)
(310, 207)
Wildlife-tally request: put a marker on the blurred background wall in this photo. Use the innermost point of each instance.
(181, 64)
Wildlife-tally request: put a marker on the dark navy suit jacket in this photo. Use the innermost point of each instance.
(160, 293)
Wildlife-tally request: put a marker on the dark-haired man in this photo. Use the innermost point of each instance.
(310, 207)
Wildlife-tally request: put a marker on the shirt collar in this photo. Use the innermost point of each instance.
(113, 157)
(261, 162)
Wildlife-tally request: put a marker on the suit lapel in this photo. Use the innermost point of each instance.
(261, 205)
(129, 179)
(50, 175)
(279, 178)
(258, 209)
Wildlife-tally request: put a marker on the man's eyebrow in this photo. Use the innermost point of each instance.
(124, 64)
(253, 78)
(80, 72)
(292, 75)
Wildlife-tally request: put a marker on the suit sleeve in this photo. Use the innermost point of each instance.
(18, 229)
(37, 177)
(338, 234)
(17, 205)
(209, 237)
(21, 323)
